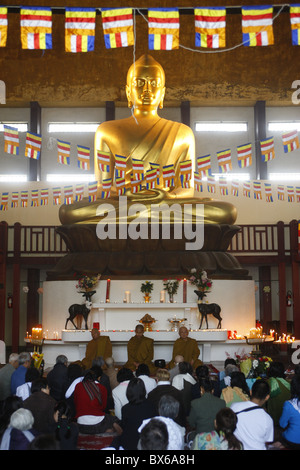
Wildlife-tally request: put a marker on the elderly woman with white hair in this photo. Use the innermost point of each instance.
(20, 431)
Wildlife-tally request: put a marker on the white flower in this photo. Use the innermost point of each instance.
(193, 270)
(255, 363)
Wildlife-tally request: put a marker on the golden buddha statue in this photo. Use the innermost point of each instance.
(147, 137)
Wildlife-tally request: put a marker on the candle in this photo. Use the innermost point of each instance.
(184, 290)
(162, 296)
(127, 296)
(107, 290)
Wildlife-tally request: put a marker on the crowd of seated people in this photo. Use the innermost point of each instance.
(191, 408)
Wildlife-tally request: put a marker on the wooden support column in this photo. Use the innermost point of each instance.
(110, 111)
(16, 288)
(265, 297)
(185, 113)
(3, 255)
(260, 133)
(281, 278)
(35, 127)
(295, 276)
(33, 283)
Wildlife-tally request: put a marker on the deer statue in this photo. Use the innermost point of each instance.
(208, 309)
(81, 309)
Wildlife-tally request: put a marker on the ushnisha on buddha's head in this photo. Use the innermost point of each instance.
(145, 86)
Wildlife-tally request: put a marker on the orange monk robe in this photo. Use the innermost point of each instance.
(188, 348)
(140, 351)
(100, 346)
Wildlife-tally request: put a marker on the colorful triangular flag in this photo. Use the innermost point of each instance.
(103, 160)
(257, 189)
(168, 175)
(224, 160)
(268, 192)
(295, 23)
(106, 188)
(290, 141)
(79, 190)
(44, 197)
(63, 152)
(204, 166)
(244, 155)
(120, 165)
(83, 157)
(92, 190)
(280, 192)
(56, 196)
(267, 149)
(185, 172)
(34, 198)
(68, 194)
(198, 182)
(4, 202)
(235, 187)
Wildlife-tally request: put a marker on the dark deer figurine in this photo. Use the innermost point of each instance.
(81, 309)
(208, 309)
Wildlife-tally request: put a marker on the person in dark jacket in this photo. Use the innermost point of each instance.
(42, 405)
(57, 378)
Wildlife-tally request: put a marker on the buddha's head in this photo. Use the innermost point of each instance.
(145, 88)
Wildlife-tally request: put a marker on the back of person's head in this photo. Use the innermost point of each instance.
(206, 384)
(13, 357)
(154, 436)
(185, 368)
(225, 423)
(63, 410)
(136, 391)
(202, 371)
(295, 387)
(24, 357)
(97, 371)
(124, 374)
(74, 371)
(230, 368)
(109, 361)
(61, 359)
(229, 360)
(260, 389)
(238, 379)
(276, 369)
(168, 407)
(91, 375)
(142, 369)
(44, 442)
(32, 374)
(39, 384)
(22, 419)
(162, 375)
(98, 361)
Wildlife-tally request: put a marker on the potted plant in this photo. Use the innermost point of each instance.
(146, 289)
(201, 281)
(171, 287)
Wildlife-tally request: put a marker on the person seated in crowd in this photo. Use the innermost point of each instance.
(279, 391)
(168, 409)
(223, 437)
(111, 371)
(24, 391)
(18, 376)
(103, 380)
(119, 393)
(226, 380)
(290, 417)
(66, 430)
(140, 351)
(98, 346)
(237, 391)
(75, 373)
(20, 431)
(143, 373)
(58, 378)
(164, 387)
(175, 370)
(203, 372)
(185, 374)
(154, 436)
(186, 347)
(5, 376)
(90, 399)
(42, 405)
(134, 412)
(255, 427)
(44, 442)
(9, 406)
(203, 410)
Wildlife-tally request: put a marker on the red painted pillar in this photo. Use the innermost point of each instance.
(282, 278)
(3, 255)
(16, 288)
(295, 276)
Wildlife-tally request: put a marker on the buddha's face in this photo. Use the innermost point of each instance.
(145, 87)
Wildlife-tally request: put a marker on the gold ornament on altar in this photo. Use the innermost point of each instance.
(147, 321)
(176, 322)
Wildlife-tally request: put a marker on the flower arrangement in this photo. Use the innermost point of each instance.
(253, 366)
(147, 287)
(37, 359)
(171, 286)
(200, 280)
(86, 282)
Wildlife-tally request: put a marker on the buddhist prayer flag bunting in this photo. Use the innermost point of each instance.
(151, 178)
(63, 152)
(106, 188)
(246, 188)
(168, 175)
(298, 194)
(157, 167)
(223, 185)
(33, 145)
(120, 165)
(36, 28)
(267, 149)
(204, 165)
(117, 27)
(135, 184)
(24, 198)
(80, 29)
(244, 155)
(210, 27)
(44, 197)
(56, 196)
(163, 24)
(120, 184)
(34, 198)
(224, 160)
(280, 193)
(68, 194)
(3, 26)
(257, 189)
(137, 169)
(290, 193)
(11, 140)
(268, 192)
(198, 182)
(4, 202)
(295, 23)
(103, 160)
(92, 190)
(257, 25)
(79, 190)
(83, 157)
(211, 184)
(290, 141)
(14, 199)
(235, 187)
(185, 169)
